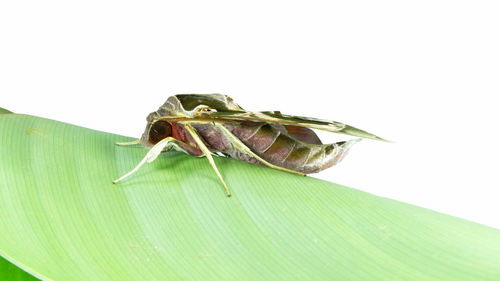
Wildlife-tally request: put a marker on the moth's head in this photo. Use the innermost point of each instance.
(156, 130)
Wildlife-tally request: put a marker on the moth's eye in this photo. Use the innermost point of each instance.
(159, 130)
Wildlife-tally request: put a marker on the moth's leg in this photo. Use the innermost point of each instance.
(207, 153)
(153, 154)
(242, 147)
(129, 143)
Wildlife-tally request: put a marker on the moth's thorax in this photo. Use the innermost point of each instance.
(186, 105)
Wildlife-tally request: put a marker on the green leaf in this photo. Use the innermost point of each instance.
(9, 271)
(61, 218)
(4, 111)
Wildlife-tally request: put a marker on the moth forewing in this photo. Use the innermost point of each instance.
(265, 117)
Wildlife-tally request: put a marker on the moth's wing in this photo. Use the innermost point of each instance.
(290, 120)
(299, 133)
(303, 134)
(215, 101)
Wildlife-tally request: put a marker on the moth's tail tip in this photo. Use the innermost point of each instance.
(341, 150)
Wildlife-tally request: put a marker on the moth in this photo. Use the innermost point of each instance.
(213, 124)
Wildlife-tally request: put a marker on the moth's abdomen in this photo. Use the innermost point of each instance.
(274, 145)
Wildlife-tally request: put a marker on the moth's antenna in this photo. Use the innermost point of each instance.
(128, 143)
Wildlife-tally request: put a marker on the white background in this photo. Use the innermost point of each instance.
(424, 74)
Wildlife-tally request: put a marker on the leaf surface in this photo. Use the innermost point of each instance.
(61, 218)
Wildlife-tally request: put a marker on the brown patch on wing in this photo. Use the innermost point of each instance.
(303, 134)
